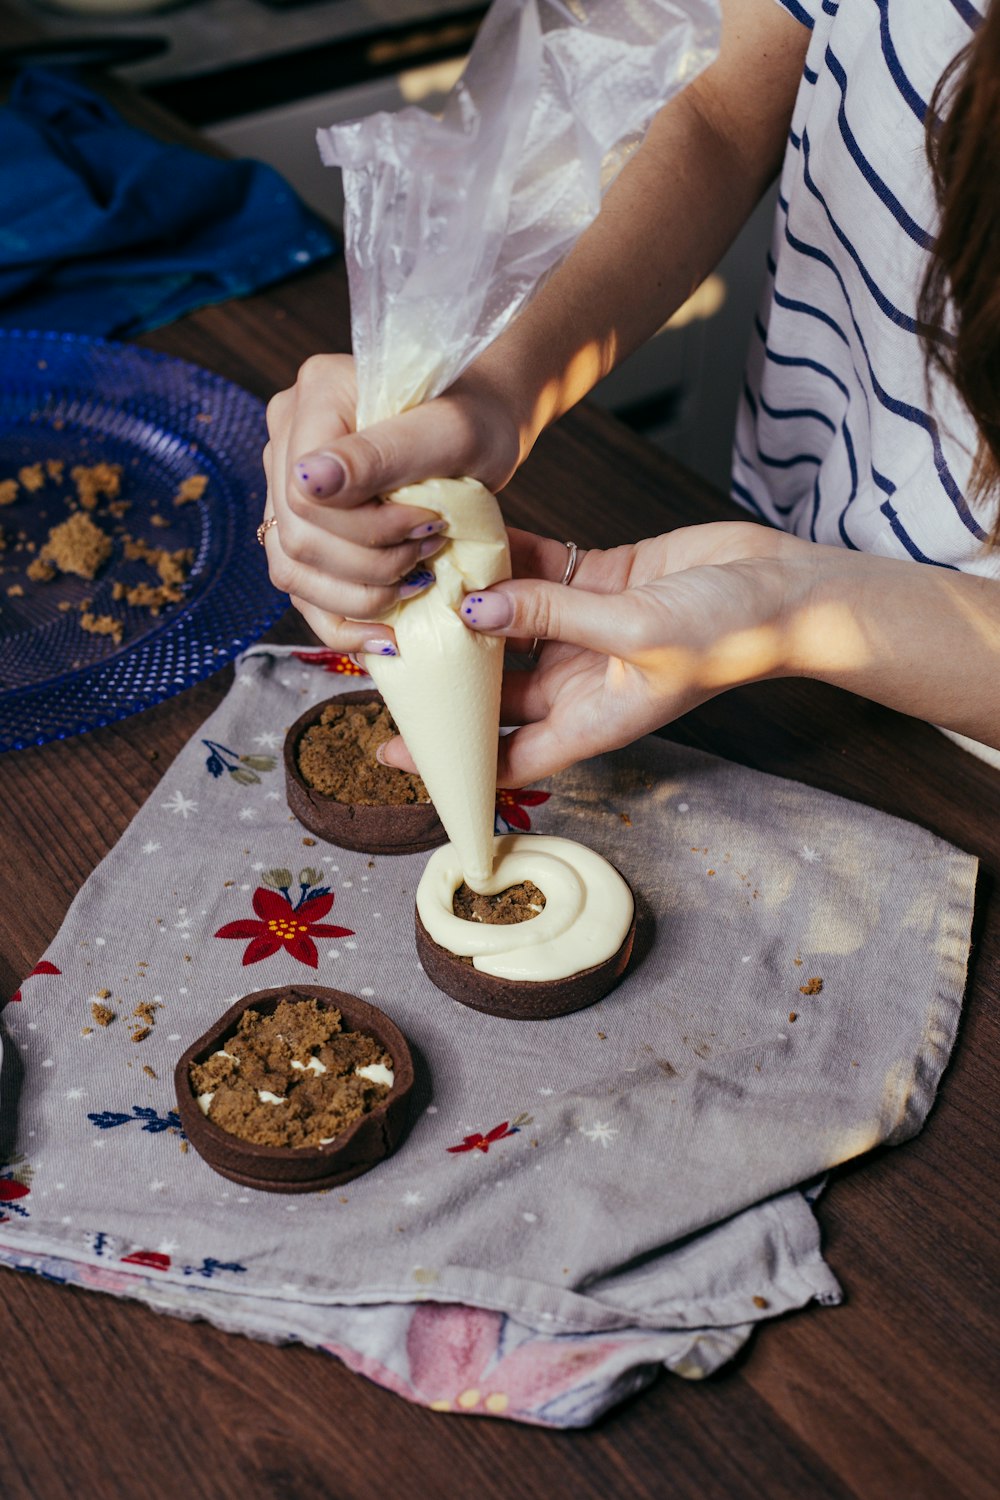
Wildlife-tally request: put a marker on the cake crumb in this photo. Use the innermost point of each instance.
(102, 625)
(32, 476)
(626, 819)
(793, 1015)
(761, 1302)
(156, 519)
(812, 986)
(309, 843)
(63, 606)
(54, 469)
(141, 1033)
(147, 1012)
(77, 546)
(184, 1148)
(147, 1069)
(95, 482)
(16, 591)
(602, 1036)
(86, 1030)
(190, 489)
(8, 491)
(40, 571)
(102, 1014)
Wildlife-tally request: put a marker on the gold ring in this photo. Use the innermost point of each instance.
(265, 527)
(564, 582)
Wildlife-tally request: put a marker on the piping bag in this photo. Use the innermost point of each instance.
(452, 222)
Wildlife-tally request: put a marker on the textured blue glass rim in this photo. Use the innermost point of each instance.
(19, 707)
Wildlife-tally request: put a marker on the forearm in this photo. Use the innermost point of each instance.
(664, 224)
(920, 639)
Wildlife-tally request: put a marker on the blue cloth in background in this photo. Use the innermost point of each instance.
(106, 230)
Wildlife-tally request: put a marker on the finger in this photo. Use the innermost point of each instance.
(522, 698)
(355, 601)
(339, 559)
(535, 751)
(352, 637)
(613, 624)
(436, 440)
(394, 753)
(533, 556)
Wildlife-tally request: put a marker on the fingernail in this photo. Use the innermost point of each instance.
(378, 753)
(427, 528)
(433, 544)
(487, 611)
(320, 474)
(379, 645)
(415, 582)
(356, 659)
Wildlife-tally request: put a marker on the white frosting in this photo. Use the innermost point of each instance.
(377, 1072)
(266, 1097)
(223, 1053)
(205, 1101)
(313, 1065)
(443, 690)
(587, 914)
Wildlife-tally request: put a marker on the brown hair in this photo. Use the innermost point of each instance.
(963, 146)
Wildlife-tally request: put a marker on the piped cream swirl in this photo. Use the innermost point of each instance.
(587, 914)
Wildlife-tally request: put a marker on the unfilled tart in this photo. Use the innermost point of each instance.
(367, 827)
(282, 1169)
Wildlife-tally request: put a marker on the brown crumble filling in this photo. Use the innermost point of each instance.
(316, 1106)
(336, 757)
(518, 903)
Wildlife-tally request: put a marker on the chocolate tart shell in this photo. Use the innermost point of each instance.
(300, 1169)
(411, 828)
(520, 999)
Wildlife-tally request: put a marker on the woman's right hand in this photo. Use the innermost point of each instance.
(338, 548)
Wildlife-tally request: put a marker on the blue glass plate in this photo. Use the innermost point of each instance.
(79, 401)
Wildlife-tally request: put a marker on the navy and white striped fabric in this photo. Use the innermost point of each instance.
(836, 437)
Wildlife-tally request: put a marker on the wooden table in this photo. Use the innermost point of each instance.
(885, 1398)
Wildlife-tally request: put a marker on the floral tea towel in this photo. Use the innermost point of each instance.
(578, 1201)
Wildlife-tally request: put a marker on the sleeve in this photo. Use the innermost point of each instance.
(803, 10)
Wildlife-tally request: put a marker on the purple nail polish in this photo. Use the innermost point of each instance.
(426, 528)
(415, 582)
(320, 474)
(491, 611)
(379, 646)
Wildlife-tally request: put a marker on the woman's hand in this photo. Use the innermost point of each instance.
(337, 548)
(643, 634)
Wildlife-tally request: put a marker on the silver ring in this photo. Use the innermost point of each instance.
(565, 580)
(265, 527)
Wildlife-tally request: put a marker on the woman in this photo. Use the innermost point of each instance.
(868, 436)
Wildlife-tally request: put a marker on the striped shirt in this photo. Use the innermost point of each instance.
(837, 439)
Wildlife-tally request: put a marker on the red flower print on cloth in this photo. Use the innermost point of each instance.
(511, 802)
(15, 1184)
(44, 967)
(477, 1142)
(154, 1259)
(282, 925)
(331, 661)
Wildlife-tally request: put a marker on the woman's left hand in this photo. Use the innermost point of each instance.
(643, 634)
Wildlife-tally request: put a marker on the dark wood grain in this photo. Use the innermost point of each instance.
(888, 1398)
